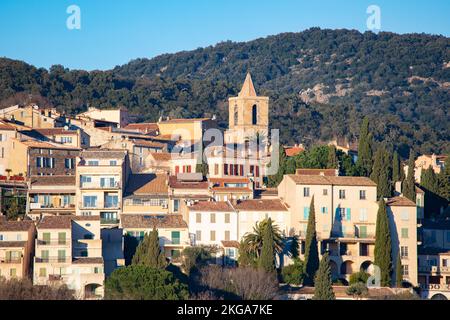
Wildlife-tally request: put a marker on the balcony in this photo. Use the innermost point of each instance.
(37, 206)
(115, 185)
(434, 269)
(100, 206)
(11, 260)
(104, 221)
(53, 242)
(52, 259)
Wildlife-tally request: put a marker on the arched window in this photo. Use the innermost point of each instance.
(236, 114)
(255, 114)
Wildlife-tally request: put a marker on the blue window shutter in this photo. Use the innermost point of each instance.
(305, 213)
(349, 216)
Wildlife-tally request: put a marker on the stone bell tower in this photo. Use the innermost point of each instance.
(248, 114)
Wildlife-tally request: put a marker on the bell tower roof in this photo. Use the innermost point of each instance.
(248, 90)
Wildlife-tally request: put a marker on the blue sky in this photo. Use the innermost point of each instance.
(114, 32)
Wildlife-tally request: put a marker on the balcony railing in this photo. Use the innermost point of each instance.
(53, 242)
(109, 221)
(115, 185)
(100, 206)
(52, 260)
(11, 260)
(435, 269)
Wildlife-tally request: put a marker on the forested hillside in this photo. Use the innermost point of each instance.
(321, 83)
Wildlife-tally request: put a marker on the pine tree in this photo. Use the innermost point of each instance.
(381, 173)
(364, 162)
(149, 253)
(311, 250)
(266, 260)
(396, 175)
(323, 289)
(398, 272)
(383, 245)
(332, 162)
(409, 187)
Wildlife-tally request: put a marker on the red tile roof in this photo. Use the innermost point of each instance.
(316, 172)
(400, 202)
(16, 226)
(180, 184)
(327, 180)
(260, 205)
(140, 221)
(147, 183)
(293, 151)
(211, 206)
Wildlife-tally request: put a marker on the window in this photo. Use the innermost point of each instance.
(213, 218)
(89, 201)
(42, 272)
(66, 200)
(405, 215)
(404, 252)
(236, 114)
(61, 255)
(46, 237)
(254, 114)
(305, 213)
(227, 218)
(39, 162)
(306, 192)
(324, 210)
(198, 235)
(363, 215)
(325, 192)
(345, 214)
(212, 235)
(61, 238)
(341, 194)
(1, 237)
(93, 163)
(44, 256)
(362, 231)
(405, 270)
(227, 235)
(66, 140)
(176, 205)
(69, 163)
(405, 233)
(362, 194)
(113, 162)
(175, 237)
(198, 218)
(86, 179)
(216, 169)
(13, 272)
(111, 201)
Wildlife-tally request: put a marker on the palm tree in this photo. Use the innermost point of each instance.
(254, 240)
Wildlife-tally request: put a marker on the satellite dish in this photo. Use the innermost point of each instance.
(66, 128)
(35, 107)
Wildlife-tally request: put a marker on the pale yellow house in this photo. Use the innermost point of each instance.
(423, 162)
(186, 129)
(118, 116)
(32, 116)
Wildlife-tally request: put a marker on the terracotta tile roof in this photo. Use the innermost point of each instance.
(231, 189)
(338, 181)
(143, 127)
(213, 206)
(147, 183)
(222, 181)
(148, 143)
(267, 192)
(6, 126)
(260, 205)
(316, 172)
(46, 145)
(103, 154)
(400, 202)
(55, 131)
(55, 222)
(13, 244)
(24, 225)
(230, 244)
(293, 151)
(139, 221)
(87, 260)
(184, 120)
(53, 180)
(174, 183)
(161, 156)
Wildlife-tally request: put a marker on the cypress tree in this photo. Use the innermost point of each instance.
(267, 258)
(396, 176)
(332, 162)
(149, 253)
(398, 272)
(311, 250)
(409, 187)
(383, 245)
(365, 145)
(274, 180)
(381, 173)
(444, 180)
(429, 180)
(323, 289)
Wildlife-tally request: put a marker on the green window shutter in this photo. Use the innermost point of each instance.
(46, 237)
(349, 215)
(61, 255)
(44, 255)
(61, 238)
(175, 237)
(363, 231)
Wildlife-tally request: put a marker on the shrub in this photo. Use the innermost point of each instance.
(294, 273)
(360, 276)
(23, 289)
(357, 290)
(139, 282)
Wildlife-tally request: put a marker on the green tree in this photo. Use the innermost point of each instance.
(360, 276)
(383, 245)
(357, 290)
(13, 210)
(140, 282)
(332, 158)
(254, 240)
(409, 186)
(247, 258)
(294, 273)
(381, 173)
(396, 175)
(274, 180)
(196, 257)
(149, 253)
(311, 249)
(444, 180)
(365, 147)
(323, 289)
(266, 260)
(398, 272)
(429, 180)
